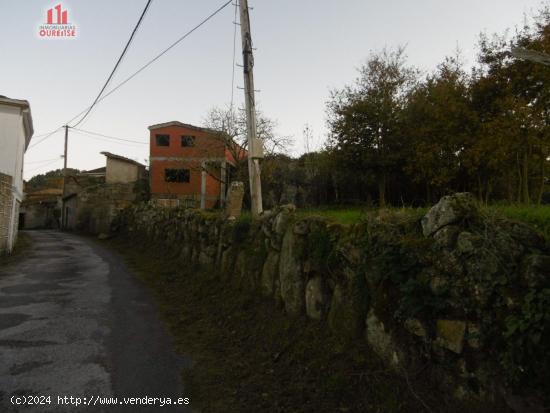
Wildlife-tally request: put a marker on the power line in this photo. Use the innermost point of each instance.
(234, 52)
(531, 55)
(117, 63)
(44, 134)
(97, 138)
(48, 135)
(218, 10)
(42, 161)
(43, 166)
(109, 137)
(150, 62)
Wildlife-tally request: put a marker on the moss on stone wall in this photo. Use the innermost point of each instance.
(462, 293)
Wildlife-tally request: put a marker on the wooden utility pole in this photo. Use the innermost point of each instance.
(254, 145)
(63, 214)
(531, 55)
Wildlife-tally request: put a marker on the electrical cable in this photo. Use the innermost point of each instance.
(117, 63)
(42, 166)
(218, 10)
(234, 53)
(42, 161)
(150, 62)
(48, 135)
(44, 134)
(109, 137)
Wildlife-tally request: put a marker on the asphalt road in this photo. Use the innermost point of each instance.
(75, 322)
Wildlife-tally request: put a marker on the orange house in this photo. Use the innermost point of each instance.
(189, 165)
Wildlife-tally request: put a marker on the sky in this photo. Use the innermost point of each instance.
(305, 49)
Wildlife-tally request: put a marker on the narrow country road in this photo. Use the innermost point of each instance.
(75, 322)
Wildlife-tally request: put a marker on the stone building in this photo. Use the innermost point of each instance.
(93, 198)
(94, 208)
(41, 209)
(121, 170)
(16, 130)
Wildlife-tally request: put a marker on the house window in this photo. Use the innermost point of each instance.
(163, 140)
(176, 175)
(187, 140)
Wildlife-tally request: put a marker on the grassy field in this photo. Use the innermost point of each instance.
(536, 216)
(344, 216)
(353, 215)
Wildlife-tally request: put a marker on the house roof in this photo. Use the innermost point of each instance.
(183, 125)
(69, 196)
(46, 191)
(46, 195)
(25, 111)
(100, 170)
(51, 199)
(121, 158)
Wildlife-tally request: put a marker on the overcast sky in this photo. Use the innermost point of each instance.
(305, 48)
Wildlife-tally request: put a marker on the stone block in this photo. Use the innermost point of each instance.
(450, 334)
(346, 316)
(381, 341)
(465, 243)
(473, 336)
(291, 276)
(446, 236)
(270, 273)
(536, 270)
(414, 326)
(301, 227)
(235, 200)
(316, 299)
(449, 210)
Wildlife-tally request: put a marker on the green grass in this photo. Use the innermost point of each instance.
(340, 215)
(536, 216)
(353, 215)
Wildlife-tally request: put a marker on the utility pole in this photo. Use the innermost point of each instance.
(531, 55)
(254, 144)
(63, 214)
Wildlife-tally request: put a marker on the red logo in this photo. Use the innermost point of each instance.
(61, 15)
(57, 24)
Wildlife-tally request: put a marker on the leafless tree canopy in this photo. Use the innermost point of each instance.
(230, 122)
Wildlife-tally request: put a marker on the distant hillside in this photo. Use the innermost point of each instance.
(51, 179)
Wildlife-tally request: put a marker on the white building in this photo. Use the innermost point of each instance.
(15, 134)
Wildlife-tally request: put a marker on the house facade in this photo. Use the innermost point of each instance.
(16, 130)
(189, 165)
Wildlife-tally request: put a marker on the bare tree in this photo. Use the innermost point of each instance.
(229, 124)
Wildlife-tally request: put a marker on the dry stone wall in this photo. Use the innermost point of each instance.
(97, 206)
(461, 294)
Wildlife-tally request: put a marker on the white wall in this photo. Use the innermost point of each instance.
(12, 144)
(12, 148)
